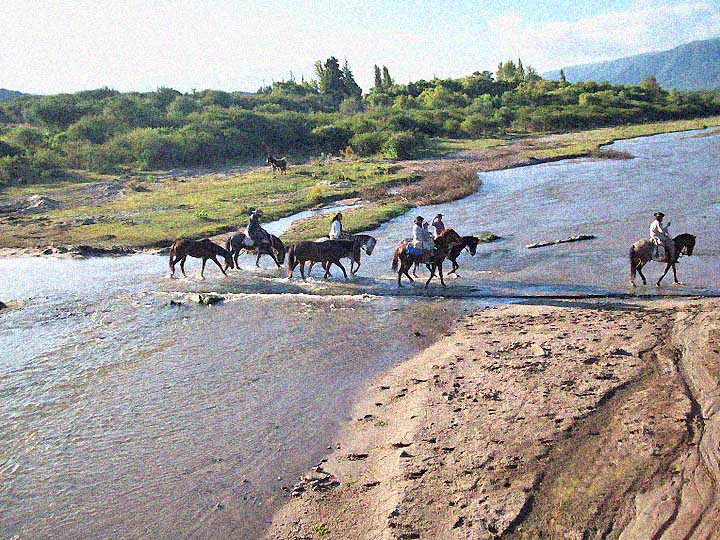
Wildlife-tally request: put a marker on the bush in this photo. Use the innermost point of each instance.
(403, 145)
(478, 125)
(331, 139)
(367, 144)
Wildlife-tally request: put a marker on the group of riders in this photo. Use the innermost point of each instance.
(423, 239)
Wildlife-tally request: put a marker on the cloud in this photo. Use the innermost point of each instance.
(604, 37)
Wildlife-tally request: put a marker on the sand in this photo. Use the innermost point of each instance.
(565, 420)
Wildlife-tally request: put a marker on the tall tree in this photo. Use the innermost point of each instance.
(378, 79)
(352, 89)
(387, 81)
(330, 78)
(562, 76)
(520, 71)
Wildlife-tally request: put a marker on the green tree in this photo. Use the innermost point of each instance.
(387, 81)
(352, 89)
(378, 86)
(520, 71)
(330, 79)
(562, 76)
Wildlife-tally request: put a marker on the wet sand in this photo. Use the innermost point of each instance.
(555, 420)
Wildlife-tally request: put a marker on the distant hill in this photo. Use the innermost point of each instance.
(693, 66)
(7, 95)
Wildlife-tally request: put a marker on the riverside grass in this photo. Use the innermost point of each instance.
(154, 212)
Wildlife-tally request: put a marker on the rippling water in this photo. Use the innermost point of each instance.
(123, 416)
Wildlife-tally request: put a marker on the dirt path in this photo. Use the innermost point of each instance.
(573, 420)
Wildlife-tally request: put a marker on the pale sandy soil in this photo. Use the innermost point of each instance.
(572, 421)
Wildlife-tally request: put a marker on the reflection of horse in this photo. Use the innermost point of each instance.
(277, 164)
(641, 252)
(434, 259)
(201, 249)
(363, 242)
(328, 252)
(240, 241)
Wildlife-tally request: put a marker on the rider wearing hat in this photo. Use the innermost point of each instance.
(438, 225)
(422, 239)
(660, 236)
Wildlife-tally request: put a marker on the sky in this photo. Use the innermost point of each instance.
(57, 46)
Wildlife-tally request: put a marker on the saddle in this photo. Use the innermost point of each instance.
(424, 255)
(659, 253)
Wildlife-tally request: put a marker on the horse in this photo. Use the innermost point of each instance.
(240, 241)
(434, 259)
(455, 244)
(360, 241)
(328, 252)
(641, 253)
(201, 249)
(277, 164)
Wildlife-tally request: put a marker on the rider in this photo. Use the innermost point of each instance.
(258, 235)
(660, 236)
(422, 239)
(336, 227)
(438, 225)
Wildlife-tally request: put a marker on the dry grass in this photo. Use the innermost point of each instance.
(443, 185)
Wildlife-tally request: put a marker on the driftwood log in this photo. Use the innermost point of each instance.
(580, 238)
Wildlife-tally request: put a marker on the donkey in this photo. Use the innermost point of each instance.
(277, 164)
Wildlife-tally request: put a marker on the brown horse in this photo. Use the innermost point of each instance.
(328, 253)
(433, 259)
(200, 249)
(455, 244)
(641, 253)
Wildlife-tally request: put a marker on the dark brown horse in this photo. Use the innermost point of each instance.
(641, 252)
(240, 241)
(434, 259)
(455, 245)
(277, 164)
(360, 242)
(328, 253)
(200, 249)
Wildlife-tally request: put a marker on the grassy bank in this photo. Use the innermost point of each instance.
(146, 211)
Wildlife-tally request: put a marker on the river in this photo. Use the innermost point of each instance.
(123, 416)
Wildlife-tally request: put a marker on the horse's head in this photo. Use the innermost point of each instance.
(228, 260)
(471, 243)
(280, 250)
(690, 245)
(369, 245)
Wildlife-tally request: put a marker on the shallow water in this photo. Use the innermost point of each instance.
(123, 416)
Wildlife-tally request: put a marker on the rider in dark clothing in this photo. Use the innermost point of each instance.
(259, 235)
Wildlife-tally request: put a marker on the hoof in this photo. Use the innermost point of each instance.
(632, 284)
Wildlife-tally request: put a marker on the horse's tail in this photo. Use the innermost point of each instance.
(633, 263)
(396, 260)
(228, 244)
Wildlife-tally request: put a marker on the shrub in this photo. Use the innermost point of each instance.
(331, 138)
(367, 144)
(403, 145)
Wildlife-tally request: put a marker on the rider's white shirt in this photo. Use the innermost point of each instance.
(335, 229)
(658, 233)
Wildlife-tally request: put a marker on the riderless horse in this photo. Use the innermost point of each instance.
(240, 241)
(641, 252)
(277, 164)
(201, 249)
(328, 253)
(363, 242)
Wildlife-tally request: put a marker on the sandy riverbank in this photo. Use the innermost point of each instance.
(563, 420)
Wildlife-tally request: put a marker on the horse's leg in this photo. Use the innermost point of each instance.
(338, 263)
(202, 270)
(312, 263)
(667, 267)
(219, 265)
(415, 269)
(639, 267)
(302, 270)
(172, 267)
(257, 260)
(432, 274)
(182, 265)
(675, 275)
(442, 279)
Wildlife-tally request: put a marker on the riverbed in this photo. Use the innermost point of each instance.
(124, 416)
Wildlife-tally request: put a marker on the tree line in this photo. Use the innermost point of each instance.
(107, 131)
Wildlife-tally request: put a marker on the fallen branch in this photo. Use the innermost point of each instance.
(567, 240)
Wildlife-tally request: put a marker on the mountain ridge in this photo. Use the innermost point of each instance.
(690, 66)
